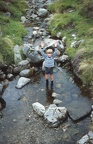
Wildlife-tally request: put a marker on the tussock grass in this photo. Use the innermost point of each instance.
(75, 17)
(11, 27)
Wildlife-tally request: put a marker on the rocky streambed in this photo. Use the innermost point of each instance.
(20, 124)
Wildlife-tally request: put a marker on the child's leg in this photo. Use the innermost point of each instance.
(46, 77)
(51, 77)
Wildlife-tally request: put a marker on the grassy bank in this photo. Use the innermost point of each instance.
(75, 17)
(11, 28)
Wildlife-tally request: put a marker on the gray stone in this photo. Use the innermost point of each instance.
(17, 54)
(24, 73)
(22, 82)
(50, 43)
(63, 58)
(10, 76)
(78, 109)
(90, 134)
(42, 12)
(23, 63)
(55, 95)
(38, 108)
(23, 19)
(57, 101)
(27, 72)
(54, 113)
(83, 140)
(92, 107)
(2, 77)
(1, 88)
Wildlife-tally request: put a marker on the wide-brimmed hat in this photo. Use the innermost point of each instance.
(49, 51)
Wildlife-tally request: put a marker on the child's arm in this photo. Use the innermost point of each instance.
(42, 51)
(56, 52)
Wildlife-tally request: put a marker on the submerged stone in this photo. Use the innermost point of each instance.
(78, 109)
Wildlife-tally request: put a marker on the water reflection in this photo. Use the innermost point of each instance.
(49, 92)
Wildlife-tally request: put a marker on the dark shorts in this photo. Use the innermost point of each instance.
(48, 70)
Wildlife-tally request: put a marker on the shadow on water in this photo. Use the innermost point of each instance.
(2, 104)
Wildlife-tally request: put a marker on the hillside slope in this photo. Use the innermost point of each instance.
(73, 19)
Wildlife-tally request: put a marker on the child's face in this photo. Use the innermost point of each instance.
(49, 55)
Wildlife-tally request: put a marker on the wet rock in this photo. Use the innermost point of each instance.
(29, 35)
(17, 54)
(63, 58)
(10, 76)
(54, 113)
(24, 64)
(23, 19)
(27, 72)
(38, 108)
(90, 134)
(9, 70)
(16, 70)
(78, 110)
(30, 53)
(22, 82)
(42, 12)
(83, 140)
(5, 83)
(2, 77)
(92, 107)
(57, 101)
(1, 114)
(1, 88)
(55, 95)
(50, 43)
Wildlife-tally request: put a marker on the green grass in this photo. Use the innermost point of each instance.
(11, 28)
(15, 31)
(79, 22)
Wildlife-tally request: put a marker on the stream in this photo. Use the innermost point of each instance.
(21, 125)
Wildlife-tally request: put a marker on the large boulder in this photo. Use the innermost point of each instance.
(54, 113)
(17, 54)
(50, 43)
(31, 53)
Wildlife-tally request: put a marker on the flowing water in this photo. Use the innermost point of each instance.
(21, 125)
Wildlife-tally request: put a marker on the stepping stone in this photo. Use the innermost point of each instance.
(78, 109)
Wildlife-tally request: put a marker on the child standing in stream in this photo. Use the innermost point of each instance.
(49, 62)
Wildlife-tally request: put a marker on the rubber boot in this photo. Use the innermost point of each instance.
(51, 84)
(47, 82)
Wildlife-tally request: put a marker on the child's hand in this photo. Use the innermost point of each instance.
(42, 44)
(55, 44)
